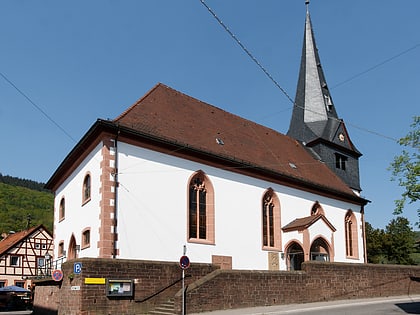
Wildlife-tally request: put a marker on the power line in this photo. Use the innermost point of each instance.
(255, 60)
(37, 107)
(376, 66)
(247, 51)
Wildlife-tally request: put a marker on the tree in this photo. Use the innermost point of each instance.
(406, 168)
(374, 245)
(399, 241)
(394, 245)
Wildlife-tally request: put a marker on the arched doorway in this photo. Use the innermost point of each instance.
(295, 257)
(71, 252)
(320, 250)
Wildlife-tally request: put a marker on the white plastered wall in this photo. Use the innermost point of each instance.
(78, 215)
(152, 212)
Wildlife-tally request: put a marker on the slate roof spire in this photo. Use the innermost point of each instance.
(313, 102)
(314, 119)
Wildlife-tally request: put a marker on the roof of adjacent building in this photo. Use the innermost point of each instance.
(15, 238)
(194, 129)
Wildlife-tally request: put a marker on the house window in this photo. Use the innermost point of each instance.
(271, 220)
(86, 238)
(86, 188)
(351, 235)
(37, 246)
(62, 210)
(20, 284)
(14, 261)
(340, 161)
(200, 209)
(40, 261)
(2, 283)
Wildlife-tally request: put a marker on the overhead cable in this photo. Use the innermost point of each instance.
(37, 107)
(247, 51)
(255, 60)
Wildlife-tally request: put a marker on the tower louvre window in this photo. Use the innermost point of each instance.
(340, 161)
(328, 102)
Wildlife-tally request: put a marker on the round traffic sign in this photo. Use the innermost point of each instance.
(57, 275)
(184, 262)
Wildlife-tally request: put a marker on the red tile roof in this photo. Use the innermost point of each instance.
(12, 239)
(168, 114)
(303, 223)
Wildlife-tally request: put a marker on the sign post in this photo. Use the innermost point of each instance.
(184, 263)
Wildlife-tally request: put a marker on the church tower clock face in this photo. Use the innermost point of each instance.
(341, 137)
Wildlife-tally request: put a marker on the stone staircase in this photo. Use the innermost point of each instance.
(166, 308)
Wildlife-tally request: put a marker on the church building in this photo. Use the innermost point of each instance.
(174, 175)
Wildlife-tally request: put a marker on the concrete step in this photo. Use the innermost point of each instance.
(166, 308)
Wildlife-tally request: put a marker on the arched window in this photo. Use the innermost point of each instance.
(86, 188)
(271, 220)
(61, 251)
(62, 209)
(317, 209)
(200, 209)
(351, 235)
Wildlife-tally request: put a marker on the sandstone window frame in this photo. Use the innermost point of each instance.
(270, 221)
(351, 232)
(87, 188)
(62, 209)
(200, 209)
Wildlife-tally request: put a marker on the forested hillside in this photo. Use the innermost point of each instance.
(15, 181)
(20, 205)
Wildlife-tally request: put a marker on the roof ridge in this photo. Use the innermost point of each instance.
(124, 113)
(160, 84)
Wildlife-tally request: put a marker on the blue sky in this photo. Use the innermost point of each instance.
(78, 61)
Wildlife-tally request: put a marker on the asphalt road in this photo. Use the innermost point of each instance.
(389, 305)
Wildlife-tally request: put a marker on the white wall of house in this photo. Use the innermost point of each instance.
(79, 215)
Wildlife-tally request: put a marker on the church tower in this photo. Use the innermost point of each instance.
(315, 122)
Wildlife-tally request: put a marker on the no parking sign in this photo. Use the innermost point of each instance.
(57, 275)
(184, 262)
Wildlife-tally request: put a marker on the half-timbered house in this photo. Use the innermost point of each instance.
(24, 256)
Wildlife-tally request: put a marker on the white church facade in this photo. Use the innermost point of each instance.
(173, 173)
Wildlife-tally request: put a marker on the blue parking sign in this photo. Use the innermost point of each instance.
(77, 268)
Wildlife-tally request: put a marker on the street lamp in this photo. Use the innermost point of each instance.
(47, 263)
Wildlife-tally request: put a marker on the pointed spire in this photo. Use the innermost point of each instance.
(314, 119)
(313, 103)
